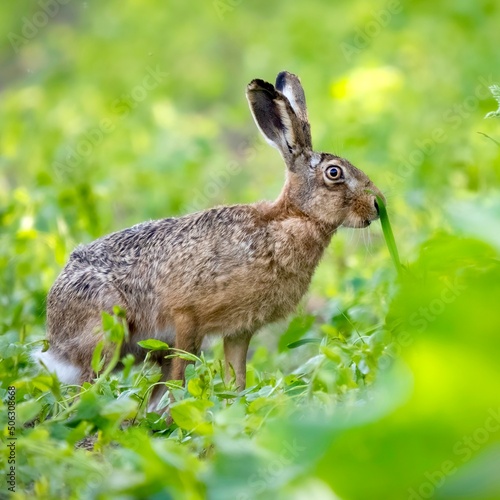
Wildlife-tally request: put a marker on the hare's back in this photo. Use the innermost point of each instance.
(158, 256)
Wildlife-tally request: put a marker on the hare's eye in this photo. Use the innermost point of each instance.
(333, 173)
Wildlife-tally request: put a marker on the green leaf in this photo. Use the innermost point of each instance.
(165, 400)
(153, 345)
(179, 353)
(476, 217)
(196, 387)
(298, 327)
(107, 321)
(116, 334)
(97, 359)
(190, 414)
(299, 343)
(332, 354)
(46, 345)
(120, 408)
(88, 407)
(119, 312)
(28, 410)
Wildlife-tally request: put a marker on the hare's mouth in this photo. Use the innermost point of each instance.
(357, 224)
(362, 214)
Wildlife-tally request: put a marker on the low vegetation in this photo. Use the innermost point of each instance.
(385, 382)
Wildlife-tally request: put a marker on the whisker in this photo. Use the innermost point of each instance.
(365, 244)
(351, 237)
(358, 239)
(369, 238)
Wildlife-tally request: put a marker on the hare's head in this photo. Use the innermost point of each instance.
(323, 186)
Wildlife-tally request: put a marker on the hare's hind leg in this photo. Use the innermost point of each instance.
(70, 352)
(235, 354)
(187, 338)
(74, 319)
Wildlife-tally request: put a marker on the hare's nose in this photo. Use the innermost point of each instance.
(376, 207)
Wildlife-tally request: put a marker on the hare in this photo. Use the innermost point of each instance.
(228, 270)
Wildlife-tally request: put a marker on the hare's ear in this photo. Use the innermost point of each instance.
(289, 85)
(276, 118)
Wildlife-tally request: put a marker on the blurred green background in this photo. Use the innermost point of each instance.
(117, 112)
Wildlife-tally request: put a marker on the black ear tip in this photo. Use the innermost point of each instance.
(259, 84)
(283, 77)
(280, 79)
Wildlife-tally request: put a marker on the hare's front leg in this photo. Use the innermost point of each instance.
(235, 354)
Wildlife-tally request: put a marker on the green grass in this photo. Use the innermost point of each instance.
(388, 234)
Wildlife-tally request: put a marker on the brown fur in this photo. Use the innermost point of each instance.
(226, 270)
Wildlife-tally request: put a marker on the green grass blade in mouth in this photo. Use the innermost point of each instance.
(388, 234)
